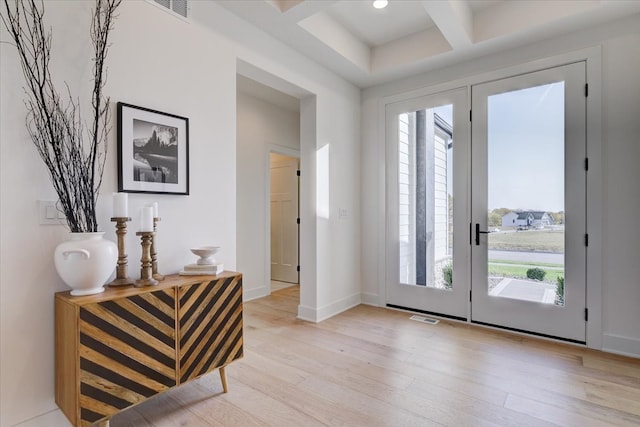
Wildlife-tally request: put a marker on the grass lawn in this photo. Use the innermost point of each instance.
(531, 240)
(521, 272)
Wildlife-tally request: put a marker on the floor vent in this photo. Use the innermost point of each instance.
(425, 320)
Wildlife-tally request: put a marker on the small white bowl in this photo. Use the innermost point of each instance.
(206, 254)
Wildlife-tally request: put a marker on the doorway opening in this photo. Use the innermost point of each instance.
(273, 116)
(518, 253)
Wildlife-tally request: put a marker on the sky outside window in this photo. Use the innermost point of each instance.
(526, 149)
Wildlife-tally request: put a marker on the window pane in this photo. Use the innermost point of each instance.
(425, 197)
(526, 194)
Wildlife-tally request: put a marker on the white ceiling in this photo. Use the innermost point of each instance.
(375, 27)
(367, 46)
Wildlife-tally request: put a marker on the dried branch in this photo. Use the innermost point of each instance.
(74, 154)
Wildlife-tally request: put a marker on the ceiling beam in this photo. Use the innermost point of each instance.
(284, 5)
(408, 50)
(303, 9)
(454, 19)
(330, 32)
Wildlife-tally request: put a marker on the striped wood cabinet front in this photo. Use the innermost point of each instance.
(118, 348)
(210, 326)
(127, 352)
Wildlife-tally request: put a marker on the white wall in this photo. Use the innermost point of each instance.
(329, 258)
(329, 114)
(261, 127)
(620, 244)
(164, 63)
(621, 232)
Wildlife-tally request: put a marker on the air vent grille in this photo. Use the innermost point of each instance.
(425, 320)
(181, 7)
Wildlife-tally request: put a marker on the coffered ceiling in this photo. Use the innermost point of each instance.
(370, 46)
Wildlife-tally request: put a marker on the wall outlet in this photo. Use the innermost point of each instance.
(49, 213)
(343, 213)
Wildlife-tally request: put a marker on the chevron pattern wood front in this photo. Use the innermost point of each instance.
(210, 326)
(120, 347)
(127, 352)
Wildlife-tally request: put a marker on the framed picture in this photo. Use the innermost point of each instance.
(153, 151)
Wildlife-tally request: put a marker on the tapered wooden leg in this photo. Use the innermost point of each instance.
(223, 379)
(103, 423)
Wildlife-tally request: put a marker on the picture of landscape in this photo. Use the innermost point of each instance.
(155, 152)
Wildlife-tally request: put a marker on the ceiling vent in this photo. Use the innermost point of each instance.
(180, 7)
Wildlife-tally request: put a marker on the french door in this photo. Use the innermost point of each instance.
(528, 202)
(487, 221)
(427, 203)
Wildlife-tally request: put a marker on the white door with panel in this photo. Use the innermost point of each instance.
(528, 202)
(284, 218)
(427, 175)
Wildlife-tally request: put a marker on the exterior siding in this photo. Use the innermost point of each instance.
(406, 192)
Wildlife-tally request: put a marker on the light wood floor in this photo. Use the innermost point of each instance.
(277, 285)
(375, 367)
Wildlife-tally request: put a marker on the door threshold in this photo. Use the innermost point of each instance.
(431, 313)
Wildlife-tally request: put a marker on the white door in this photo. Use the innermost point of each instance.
(427, 204)
(284, 218)
(528, 202)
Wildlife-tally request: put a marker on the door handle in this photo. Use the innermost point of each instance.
(478, 232)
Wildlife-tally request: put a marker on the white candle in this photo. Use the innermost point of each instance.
(155, 210)
(120, 205)
(146, 219)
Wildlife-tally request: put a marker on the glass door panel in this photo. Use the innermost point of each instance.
(427, 145)
(528, 205)
(525, 154)
(425, 177)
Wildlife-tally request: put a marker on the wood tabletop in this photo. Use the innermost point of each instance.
(125, 291)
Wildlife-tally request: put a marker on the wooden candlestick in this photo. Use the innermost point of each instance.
(154, 254)
(122, 278)
(146, 276)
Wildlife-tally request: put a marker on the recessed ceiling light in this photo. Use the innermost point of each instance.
(380, 4)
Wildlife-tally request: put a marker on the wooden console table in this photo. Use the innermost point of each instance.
(116, 349)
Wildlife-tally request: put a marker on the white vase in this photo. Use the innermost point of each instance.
(85, 262)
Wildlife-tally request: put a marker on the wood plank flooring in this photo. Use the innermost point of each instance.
(277, 286)
(374, 367)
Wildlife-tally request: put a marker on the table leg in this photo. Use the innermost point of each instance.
(223, 379)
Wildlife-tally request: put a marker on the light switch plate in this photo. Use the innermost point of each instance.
(49, 213)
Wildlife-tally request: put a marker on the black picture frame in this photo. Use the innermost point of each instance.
(153, 151)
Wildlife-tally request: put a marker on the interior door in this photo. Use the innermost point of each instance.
(427, 199)
(284, 218)
(528, 202)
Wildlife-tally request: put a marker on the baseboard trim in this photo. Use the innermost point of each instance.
(371, 299)
(255, 293)
(311, 314)
(624, 346)
(307, 314)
